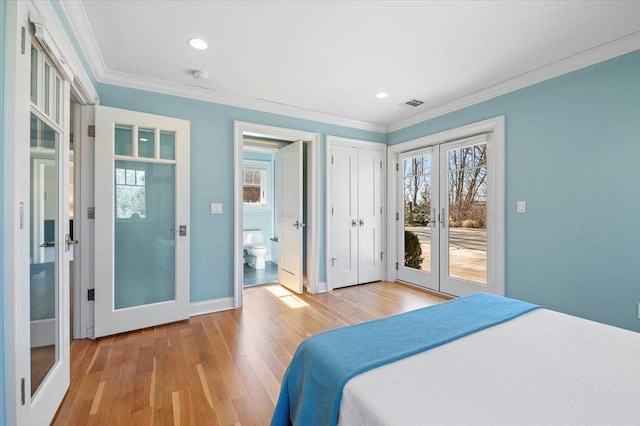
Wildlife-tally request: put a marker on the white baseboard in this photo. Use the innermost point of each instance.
(209, 306)
(322, 287)
(43, 332)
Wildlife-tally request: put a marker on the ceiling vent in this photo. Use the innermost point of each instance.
(412, 103)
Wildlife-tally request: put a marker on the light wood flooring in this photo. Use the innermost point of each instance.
(223, 368)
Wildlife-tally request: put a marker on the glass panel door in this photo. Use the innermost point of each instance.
(44, 291)
(442, 240)
(463, 201)
(419, 231)
(142, 220)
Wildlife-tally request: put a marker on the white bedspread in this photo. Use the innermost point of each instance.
(542, 368)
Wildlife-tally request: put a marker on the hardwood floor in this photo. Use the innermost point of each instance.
(223, 368)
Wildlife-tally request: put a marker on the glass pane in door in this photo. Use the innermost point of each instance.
(43, 281)
(467, 204)
(144, 237)
(417, 212)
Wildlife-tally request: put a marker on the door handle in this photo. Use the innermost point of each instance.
(48, 244)
(297, 224)
(434, 219)
(361, 222)
(442, 218)
(69, 242)
(182, 230)
(353, 222)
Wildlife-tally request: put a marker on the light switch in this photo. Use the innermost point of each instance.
(216, 208)
(521, 207)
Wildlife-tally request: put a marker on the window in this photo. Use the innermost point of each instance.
(257, 184)
(130, 194)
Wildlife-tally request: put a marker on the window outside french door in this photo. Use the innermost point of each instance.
(443, 241)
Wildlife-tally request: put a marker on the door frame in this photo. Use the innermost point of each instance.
(16, 110)
(495, 129)
(312, 140)
(359, 143)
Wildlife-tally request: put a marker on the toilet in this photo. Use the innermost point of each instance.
(253, 243)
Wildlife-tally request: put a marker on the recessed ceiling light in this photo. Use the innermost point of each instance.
(381, 95)
(197, 43)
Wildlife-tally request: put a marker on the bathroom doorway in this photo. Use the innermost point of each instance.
(257, 247)
(260, 203)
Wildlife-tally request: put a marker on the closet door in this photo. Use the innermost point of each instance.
(356, 215)
(369, 215)
(344, 232)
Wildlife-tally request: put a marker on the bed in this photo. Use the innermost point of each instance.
(496, 362)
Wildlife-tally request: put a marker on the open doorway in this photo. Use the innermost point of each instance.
(259, 210)
(259, 215)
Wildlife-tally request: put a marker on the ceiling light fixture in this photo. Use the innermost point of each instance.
(381, 95)
(197, 43)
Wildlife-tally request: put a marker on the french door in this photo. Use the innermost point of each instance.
(443, 228)
(44, 324)
(142, 220)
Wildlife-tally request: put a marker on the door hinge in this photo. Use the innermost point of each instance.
(397, 167)
(381, 253)
(23, 49)
(397, 266)
(333, 261)
(397, 216)
(380, 209)
(91, 212)
(21, 215)
(22, 396)
(91, 131)
(332, 159)
(381, 165)
(331, 211)
(91, 294)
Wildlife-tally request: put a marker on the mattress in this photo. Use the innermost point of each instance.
(540, 368)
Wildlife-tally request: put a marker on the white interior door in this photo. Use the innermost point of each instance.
(290, 220)
(142, 220)
(44, 322)
(344, 203)
(369, 215)
(442, 240)
(356, 215)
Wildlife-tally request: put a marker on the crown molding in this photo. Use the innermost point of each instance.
(211, 95)
(575, 62)
(80, 25)
(79, 22)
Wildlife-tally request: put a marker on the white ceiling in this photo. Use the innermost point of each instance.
(333, 57)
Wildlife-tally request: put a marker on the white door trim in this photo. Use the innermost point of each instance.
(312, 140)
(494, 127)
(337, 140)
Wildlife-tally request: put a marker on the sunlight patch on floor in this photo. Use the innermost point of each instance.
(286, 297)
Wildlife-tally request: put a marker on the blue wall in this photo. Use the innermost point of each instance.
(3, 26)
(572, 152)
(212, 175)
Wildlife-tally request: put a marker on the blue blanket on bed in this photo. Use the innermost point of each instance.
(312, 386)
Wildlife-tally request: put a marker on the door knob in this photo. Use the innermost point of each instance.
(361, 222)
(353, 222)
(297, 224)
